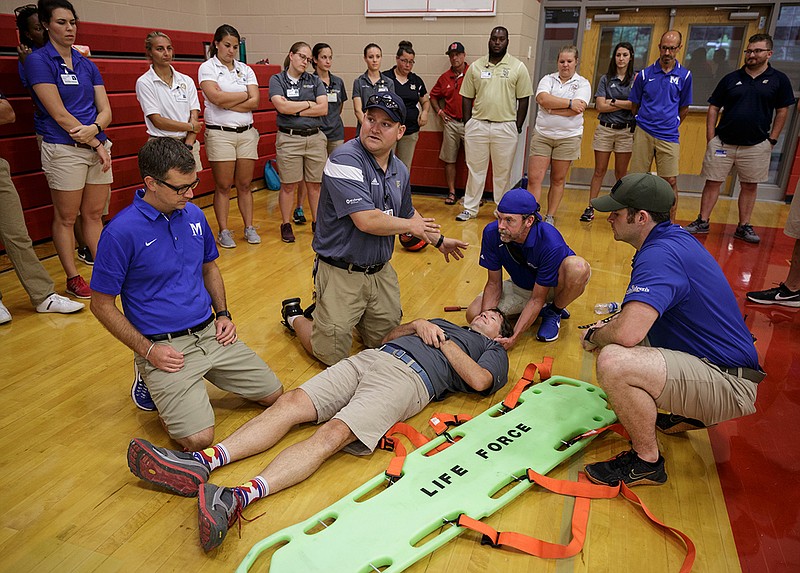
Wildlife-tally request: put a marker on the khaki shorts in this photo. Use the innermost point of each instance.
(562, 149)
(301, 158)
(69, 168)
(404, 150)
(198, 165)
(452, 137)
(645, 146)
(792, 228)
(230, 146)
(700, 390)
(612, 140)
(333, 144)
(514, 298)
(751, 161)
(370, 303)
(181, 397)
(369, 392)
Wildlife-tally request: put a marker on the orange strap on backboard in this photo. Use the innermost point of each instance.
(545, 368)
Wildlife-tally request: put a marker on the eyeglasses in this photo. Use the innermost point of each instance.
(669, 48)
(405, 61)
(757, 51)
(183, 189)
(18, 11)
(303, 57)
(383, 99)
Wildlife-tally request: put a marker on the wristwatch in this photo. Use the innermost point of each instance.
(588, 336)
(614, 102)
(772, 141)
(224, 313)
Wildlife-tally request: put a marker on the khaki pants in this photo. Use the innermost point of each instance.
(17, 242)
(484, 140)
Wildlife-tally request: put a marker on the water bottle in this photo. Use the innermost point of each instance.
(606, 307)
(243, 50)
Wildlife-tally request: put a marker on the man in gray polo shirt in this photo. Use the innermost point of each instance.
(356, 401)
(365, 201)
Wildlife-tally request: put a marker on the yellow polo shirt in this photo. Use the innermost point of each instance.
(495, 88)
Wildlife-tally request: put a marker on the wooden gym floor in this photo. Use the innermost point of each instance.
(70, 504)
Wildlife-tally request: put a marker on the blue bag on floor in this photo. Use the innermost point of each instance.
(271, 175)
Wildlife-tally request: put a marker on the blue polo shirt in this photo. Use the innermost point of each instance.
(543, 250)
(155, 262)
(76, 88)
(308, 88)
(749, 103)
(698, 312)
(659, 96)
(352, 181)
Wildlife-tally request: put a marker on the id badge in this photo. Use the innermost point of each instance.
(293, 92)
(389, 212)
(720, 153)
(486, 74)
(69, 79)
(181, 96)
(333, 97)
(383, 88)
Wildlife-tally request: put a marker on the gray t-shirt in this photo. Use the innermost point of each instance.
(485, 351)
(614, 89)
(332, 124)
(352, 181)
(307, 88)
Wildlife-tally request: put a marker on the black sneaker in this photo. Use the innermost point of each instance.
(629, 468)
(588, 214)
(85, 255)
(290, 307)
(747, 234)
(218, 508)
(698, 227)
(675, 424)
(779, 295)
(299, 217)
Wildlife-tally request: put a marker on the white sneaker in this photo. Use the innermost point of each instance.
(550, 220)
(61, 304)
(225, 239)
(251, 235)
(5, 316)
(465, 216)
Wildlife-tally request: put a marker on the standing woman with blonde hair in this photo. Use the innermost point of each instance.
(230, 89)
(301, 101)
(76, 158)
(562, 97)
(411, 88)
(169, 98)
(370, 82)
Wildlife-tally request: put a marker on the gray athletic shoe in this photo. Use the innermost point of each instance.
(550, 220)
(746, 233)
(225, 239)
(179, 472)
(698, 226)
(465, 216)
(218, 508)
(251, 235)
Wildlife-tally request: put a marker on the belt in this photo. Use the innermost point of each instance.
(241, 129)
(176, 334)
(401, 354)
(746, 373)
(350, 267)
(615, 125)
(81, 145)
(300, 132)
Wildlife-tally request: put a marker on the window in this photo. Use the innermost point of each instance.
(560, 29)
(638, 36)
(786, 50)
(710, 53)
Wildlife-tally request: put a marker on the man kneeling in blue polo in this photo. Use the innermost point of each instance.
(159, 255)
(539, 263)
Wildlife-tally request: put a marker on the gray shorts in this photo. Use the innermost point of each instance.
(370, 392)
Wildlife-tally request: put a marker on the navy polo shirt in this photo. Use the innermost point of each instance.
(698, 312)
(659, 96)
(307, 88)
(76, 88)
(351, 182)
(155, 262)
(544, 249)
(332, 125)
(749, 103)
(411, 92)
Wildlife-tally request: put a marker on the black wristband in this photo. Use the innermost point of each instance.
(772, 141)
(224, 313)
(440, 241)
(99, 129)
(189, 146)
(589, 333)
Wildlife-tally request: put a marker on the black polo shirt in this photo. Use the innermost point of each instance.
(749, 103)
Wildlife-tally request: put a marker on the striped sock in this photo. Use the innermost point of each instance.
(213, 457)
(251, 490)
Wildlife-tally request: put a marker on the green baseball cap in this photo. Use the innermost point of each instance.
(642, 191)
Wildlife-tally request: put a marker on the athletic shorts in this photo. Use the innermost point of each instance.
(230, 146)
(751, 161)
(698, 389)
(452, 138)
(70, 168)
(612, 140)
(560, 149)
(370, 392)
(181, 397)
(301, 158)
(645, 147)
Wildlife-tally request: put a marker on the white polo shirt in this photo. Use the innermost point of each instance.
(235, 80)
(171, 102)
(558, 126)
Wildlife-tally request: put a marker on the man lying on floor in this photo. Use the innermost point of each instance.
(356, 400)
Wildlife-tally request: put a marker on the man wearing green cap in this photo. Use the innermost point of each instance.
(699, 360)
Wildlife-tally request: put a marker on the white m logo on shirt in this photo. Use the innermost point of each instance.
(197, 229)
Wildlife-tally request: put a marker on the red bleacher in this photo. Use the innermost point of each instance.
(127, 131)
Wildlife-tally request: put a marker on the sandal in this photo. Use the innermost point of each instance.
(451, 199)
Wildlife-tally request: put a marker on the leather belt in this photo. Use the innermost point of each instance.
(370, 270)
(746, 373)
(615, 125)
(401, 354)
(185, 332)
(81, 145)
(241, 129)
(300, 132)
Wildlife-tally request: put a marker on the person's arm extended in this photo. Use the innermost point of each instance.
(628, 328)
(492, 291)
(162, 356)
(212, 279)
(528, 315)
(376, 222)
